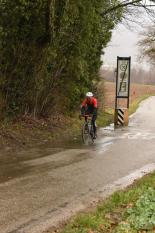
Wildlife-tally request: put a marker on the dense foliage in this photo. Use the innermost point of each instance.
(51, 52)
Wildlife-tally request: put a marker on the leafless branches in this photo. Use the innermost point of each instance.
(128, 3)
(133, 10)
(147, 45)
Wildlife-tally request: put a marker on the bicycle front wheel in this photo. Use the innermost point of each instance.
(86, 134)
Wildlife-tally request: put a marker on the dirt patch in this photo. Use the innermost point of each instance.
(28, 132)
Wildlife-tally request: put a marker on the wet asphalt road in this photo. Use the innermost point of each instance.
(38, 183)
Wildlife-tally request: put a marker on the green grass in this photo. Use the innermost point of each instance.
(104, 119)
(129, 211)
(135, 104)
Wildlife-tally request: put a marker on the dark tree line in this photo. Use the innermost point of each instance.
(50, 52)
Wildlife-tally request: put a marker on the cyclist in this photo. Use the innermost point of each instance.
(89, 106)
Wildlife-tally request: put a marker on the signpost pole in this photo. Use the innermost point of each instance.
(122, 91)
(129, 83)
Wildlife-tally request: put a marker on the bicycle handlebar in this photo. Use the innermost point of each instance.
(88, 116)
(85, 116)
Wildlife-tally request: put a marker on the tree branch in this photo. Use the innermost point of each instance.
(124, 4)
(48, 19)
(120, 6)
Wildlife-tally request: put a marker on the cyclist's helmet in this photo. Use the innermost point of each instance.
(89, 94)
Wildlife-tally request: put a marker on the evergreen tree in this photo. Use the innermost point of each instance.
(51, 51)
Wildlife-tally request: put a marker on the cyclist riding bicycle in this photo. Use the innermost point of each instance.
(89, 107)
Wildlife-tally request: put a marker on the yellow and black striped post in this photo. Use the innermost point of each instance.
(121, 117)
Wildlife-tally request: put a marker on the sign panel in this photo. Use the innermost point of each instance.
(123, 76)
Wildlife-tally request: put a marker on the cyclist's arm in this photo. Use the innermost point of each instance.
(83, 107)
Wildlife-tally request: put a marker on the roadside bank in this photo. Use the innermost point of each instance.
(125, 211)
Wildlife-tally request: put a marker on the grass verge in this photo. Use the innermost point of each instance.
(134, 105)
(104, 119)
(128, 211)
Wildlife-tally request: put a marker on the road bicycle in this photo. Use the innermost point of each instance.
(88, 130)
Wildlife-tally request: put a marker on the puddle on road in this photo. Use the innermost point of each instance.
(17, 164)
(58, 154)
(13, 165)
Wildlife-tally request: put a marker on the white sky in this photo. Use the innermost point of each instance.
(124, 43)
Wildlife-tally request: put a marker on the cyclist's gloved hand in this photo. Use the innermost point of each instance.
(82, 111)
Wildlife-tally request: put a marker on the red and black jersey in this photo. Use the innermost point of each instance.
(90, 105)
(92, 101)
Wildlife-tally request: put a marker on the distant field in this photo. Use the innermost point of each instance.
(136, 91)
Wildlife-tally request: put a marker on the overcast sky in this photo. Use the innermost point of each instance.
(124, 43)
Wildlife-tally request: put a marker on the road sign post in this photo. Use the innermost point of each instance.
(122, 91)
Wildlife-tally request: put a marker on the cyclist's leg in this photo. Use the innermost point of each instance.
(94, 117)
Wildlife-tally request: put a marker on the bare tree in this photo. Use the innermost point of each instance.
(133, 10)
(130, 3)
(147, 45)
